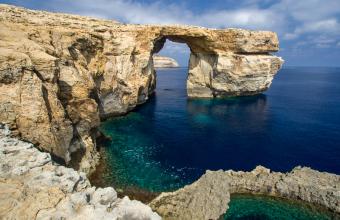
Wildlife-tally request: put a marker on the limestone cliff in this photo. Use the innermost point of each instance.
(60, 74)
(34, 187)
(164, 62)
(208, 197)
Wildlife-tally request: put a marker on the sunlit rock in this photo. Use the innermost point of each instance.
(32, 186)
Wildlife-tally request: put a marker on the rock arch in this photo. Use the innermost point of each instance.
(229, 62)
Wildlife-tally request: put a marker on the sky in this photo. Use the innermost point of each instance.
(308, 30)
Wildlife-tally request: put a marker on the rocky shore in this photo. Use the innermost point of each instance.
(208, 197)
(60, 75)
(32, 186)
(164, 62)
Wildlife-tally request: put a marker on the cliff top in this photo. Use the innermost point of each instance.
(215, 39)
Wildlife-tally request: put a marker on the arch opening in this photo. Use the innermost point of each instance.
(170, 61)
(191, 53)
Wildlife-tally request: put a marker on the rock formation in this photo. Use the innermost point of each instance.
(60, 74)
(164, 62)
(208, 197)
(33, 187)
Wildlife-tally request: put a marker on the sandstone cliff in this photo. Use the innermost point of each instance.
(164, 62)
(208, 197)
(60, 74)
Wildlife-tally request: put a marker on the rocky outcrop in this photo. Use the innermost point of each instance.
(60, 74)
(208, 197)
(33, 187)
(164, 62)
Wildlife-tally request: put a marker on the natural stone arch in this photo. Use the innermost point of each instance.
(220, 66)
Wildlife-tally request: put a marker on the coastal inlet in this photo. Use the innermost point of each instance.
(170, 141)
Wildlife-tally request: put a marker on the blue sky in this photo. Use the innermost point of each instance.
(309, 30)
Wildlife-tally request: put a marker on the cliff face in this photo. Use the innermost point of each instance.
(164, 62)
(60, 74)
(33, 187)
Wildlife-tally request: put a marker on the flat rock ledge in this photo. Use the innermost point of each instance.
(208, 197)
(34, 187)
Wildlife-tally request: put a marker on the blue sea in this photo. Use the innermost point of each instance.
(171, 140)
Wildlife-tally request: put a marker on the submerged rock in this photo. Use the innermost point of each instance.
(60, 74)
(208, 197)
(164, 62)
(32, 186)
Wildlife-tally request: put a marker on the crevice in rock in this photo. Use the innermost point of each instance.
(47, 103)
(38, 74)
(253, 53)
(76, 158)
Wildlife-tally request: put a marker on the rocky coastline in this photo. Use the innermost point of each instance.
(32, 186)
(60, 75)
(208, 197)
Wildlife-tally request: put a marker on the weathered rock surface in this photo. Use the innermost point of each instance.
(33, 187)
(208, 197)
(60, 74)
(164, 62)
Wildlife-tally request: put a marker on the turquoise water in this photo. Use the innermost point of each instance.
(171, 140)
(248, 207)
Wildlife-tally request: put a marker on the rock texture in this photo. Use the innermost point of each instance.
(164, 62)
(60, 74)
(33, 187)
(208, 197)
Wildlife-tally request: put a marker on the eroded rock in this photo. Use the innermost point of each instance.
(32, 186)
(208, 197)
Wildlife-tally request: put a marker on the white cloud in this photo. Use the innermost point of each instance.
(308, 10)
(161, 13)
(252, 18)
(328, 26)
